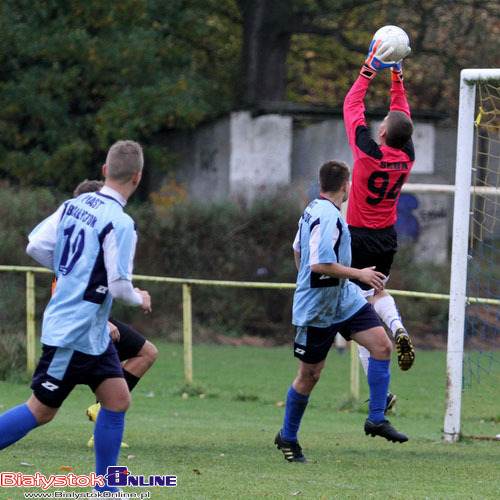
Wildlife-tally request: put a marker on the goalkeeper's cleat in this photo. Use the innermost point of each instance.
(92, 411)
(90, 442)
(384, 429)
(406, 353)
(291, 450)
(391, 401)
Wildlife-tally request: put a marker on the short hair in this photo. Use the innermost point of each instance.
(87, 187)
(399, 129)
(332, 176)
(124, 160)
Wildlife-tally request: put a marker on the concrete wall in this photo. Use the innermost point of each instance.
(260, 155)
(242, 157)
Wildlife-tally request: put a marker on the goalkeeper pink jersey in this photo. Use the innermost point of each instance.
(379, 172)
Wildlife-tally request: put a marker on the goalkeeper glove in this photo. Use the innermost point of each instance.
(377, 51)
(397, 72)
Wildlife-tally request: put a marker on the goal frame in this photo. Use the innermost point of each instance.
(469, 78)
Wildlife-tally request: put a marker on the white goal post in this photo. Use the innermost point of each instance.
(461, 222)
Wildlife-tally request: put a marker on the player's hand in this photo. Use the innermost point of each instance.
(146, 300)
(371, 277)
(114, 333)
(377, 51)
(397, 72)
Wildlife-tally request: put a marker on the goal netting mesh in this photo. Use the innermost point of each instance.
(482, 320)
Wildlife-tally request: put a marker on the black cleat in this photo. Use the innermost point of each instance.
(291, 450)
(384, 429)
(391, 401)
(406, 353)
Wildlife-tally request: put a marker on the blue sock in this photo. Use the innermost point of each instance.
(15, 424)
(108, 434)
(378, 382)
(295, 407)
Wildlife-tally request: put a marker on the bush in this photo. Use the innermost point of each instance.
(214, 241)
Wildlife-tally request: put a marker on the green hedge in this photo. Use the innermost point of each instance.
(216, 241)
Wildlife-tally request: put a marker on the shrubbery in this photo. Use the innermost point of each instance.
(215, 241)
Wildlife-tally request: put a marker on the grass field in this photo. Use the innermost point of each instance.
(218, 440)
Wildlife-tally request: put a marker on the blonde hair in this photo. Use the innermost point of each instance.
(123, 161)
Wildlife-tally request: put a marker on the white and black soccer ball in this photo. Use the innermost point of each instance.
(397, 39)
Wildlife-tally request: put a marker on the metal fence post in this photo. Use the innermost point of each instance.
(30, 320)
(188, 334)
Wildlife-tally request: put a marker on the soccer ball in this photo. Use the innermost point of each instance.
(397, 38)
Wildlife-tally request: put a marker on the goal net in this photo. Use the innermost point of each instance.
(474, 314)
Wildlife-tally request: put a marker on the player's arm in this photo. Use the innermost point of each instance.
(296, 249)
(42, 240)
(354, 108)
(367, 275)
(118, 252)
(399, 101)
(124, 291)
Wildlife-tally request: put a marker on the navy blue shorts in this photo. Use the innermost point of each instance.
(60, 369)
(313, 343)
(130, 342)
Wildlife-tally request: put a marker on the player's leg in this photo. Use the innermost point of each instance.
(138, 354)
(374, 247)
(54, 378)
(386, 308)
(111, 390)
(311, 348)
(18, 421)
(365, 329)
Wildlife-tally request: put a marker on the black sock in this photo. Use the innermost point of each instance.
(130, 379)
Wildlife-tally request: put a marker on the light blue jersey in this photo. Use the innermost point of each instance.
(323, 239)
(95, 244)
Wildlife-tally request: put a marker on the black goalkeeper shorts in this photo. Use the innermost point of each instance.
(373, 247)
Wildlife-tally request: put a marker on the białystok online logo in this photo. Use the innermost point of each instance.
(117, 476)
(120, 476)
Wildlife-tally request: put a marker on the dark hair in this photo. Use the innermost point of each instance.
(332, 175)
(87, 187)
(399, 128)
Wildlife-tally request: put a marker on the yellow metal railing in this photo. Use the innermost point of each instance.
(187, 284)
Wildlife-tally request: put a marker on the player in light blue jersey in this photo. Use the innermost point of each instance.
(326, 303)
(89, 243)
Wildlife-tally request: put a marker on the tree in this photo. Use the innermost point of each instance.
(74, 77)
(309, 50)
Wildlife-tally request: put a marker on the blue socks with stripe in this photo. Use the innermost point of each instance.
(295, 407)
(108, 434)
(15, 424)
(378, 382)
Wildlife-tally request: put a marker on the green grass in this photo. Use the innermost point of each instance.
(219, 439)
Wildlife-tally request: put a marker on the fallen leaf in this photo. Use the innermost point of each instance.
(280, 404)
(222, 454)
(196, 471)
(130, 457)
(295, 493)
(65, 467)
(185, 395)
(202, 396)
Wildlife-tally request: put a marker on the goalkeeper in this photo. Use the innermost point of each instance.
(379, 172)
